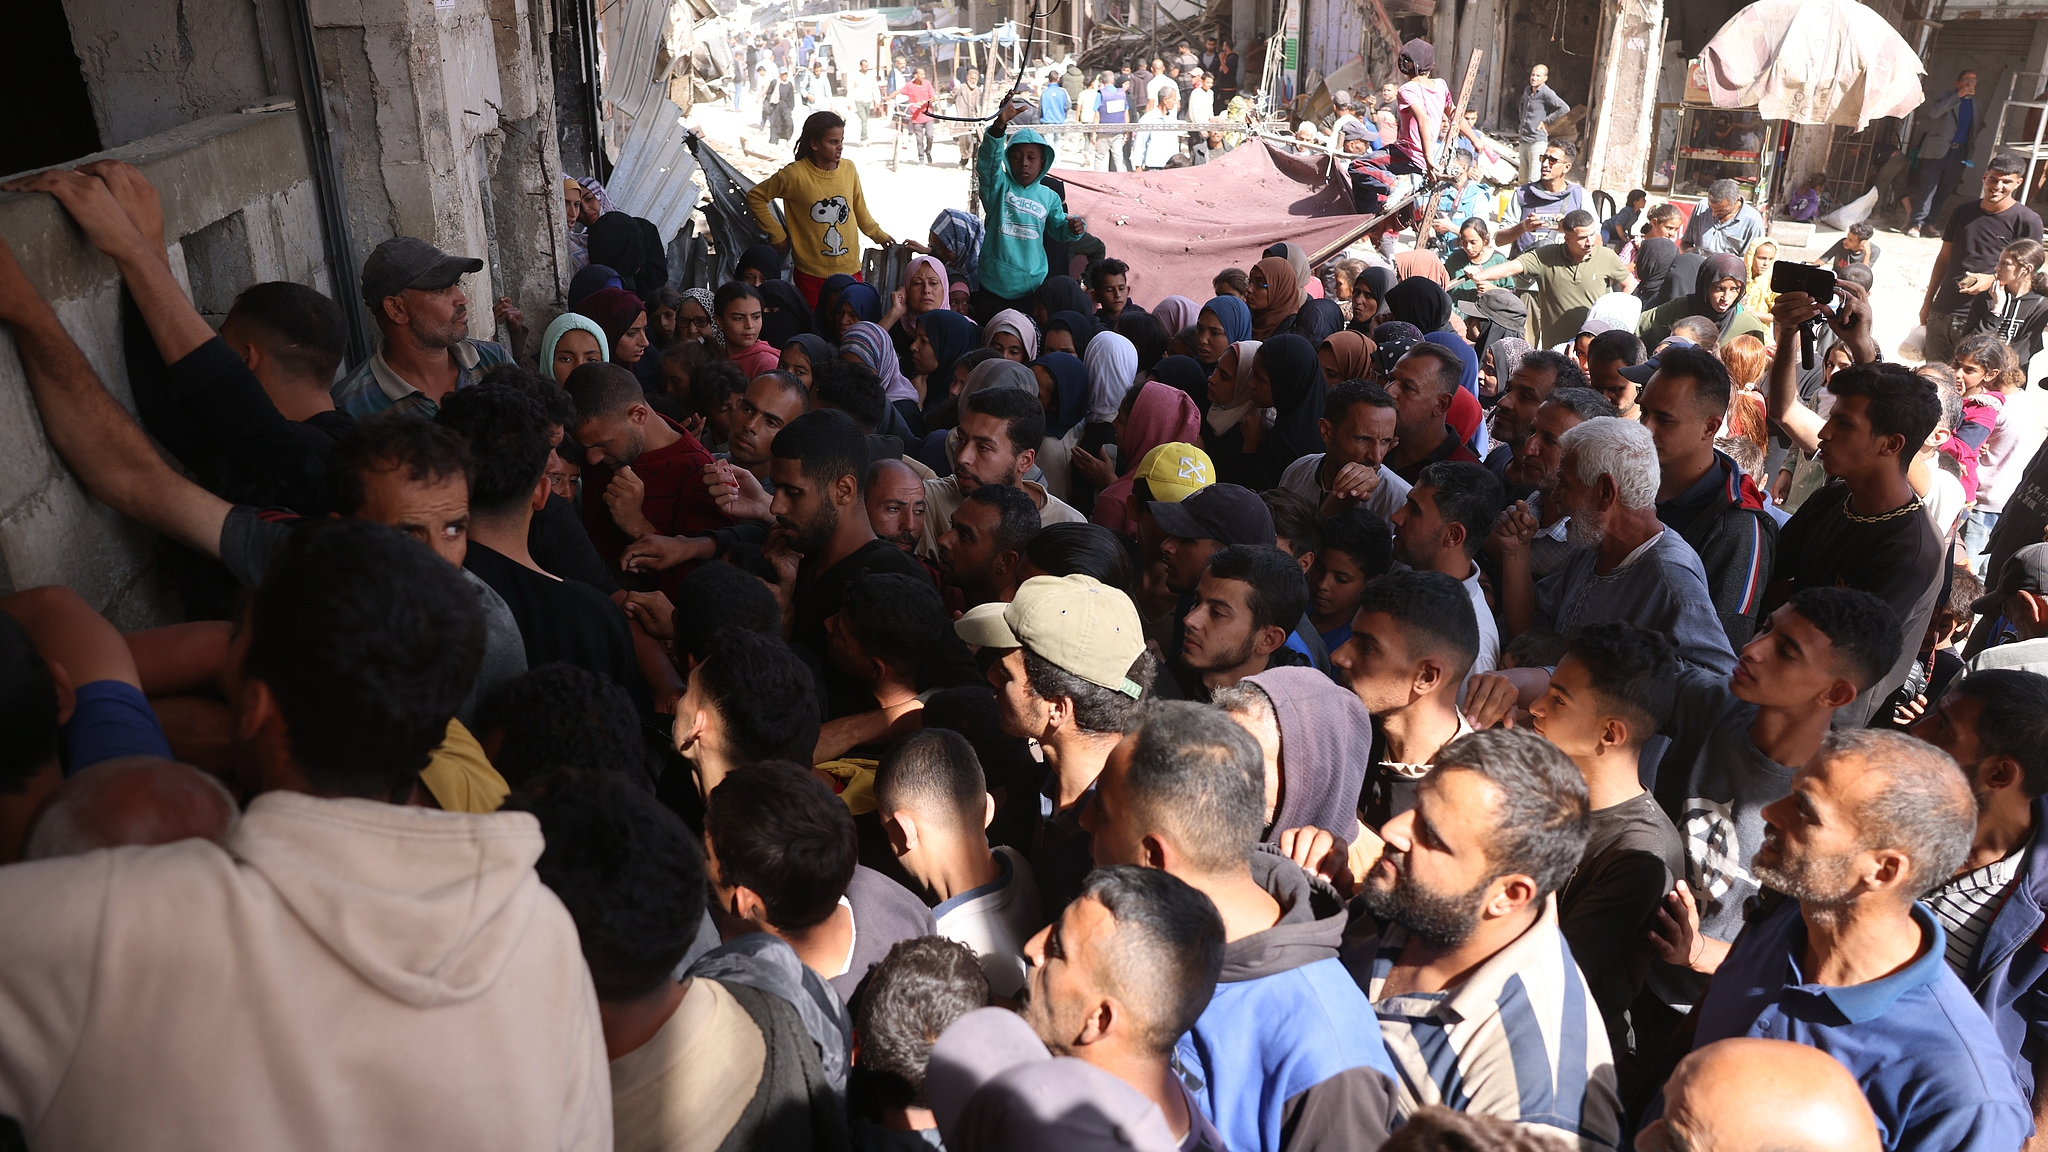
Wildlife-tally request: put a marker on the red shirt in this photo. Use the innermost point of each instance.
(755, 358)
(920, 94)
(675, 499)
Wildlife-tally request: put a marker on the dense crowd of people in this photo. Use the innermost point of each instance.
(1511, 701)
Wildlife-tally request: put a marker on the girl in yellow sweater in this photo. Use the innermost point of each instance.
(822, 203)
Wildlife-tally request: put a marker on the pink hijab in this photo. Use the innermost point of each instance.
(1162, 414)
(1176, 313)
(945, 285)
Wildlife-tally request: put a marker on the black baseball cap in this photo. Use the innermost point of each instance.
(409, 262)
(2025, 571)
(1230, 514)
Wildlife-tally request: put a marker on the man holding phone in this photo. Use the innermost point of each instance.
(1542, 202)
(1976, 235)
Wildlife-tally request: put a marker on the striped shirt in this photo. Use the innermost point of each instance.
(1966, 905)
(1521, 1039)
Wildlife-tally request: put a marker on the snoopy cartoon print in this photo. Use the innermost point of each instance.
(832, 212)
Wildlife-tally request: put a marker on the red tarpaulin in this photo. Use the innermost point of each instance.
(1178, 227)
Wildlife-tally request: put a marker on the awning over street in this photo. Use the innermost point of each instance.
(1178, 227)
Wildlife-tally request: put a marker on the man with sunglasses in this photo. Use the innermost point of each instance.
(1542, 202)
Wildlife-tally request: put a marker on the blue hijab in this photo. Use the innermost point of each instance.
(1234, 314)
(1469, 380)
(1070, 377)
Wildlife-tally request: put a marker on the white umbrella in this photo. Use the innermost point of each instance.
(1812, 62)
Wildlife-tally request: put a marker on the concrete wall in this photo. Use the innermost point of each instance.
(443, 111)
(239, 207)
(153, 65)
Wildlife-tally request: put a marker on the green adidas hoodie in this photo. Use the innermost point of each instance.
(1019, 215)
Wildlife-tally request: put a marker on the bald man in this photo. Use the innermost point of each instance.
(895, 498)
(1748, 1095)
(130, 800)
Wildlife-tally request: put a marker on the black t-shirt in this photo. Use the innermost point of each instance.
(213, 414)
(564, 620)
(1978, 238)
(818, 594)
(1896, 558)
(558, 543)
(1633, 854)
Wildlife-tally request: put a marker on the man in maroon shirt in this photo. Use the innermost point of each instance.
(644, 474)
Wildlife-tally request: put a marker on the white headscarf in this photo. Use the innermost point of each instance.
(1223, 418)
(1112, 362)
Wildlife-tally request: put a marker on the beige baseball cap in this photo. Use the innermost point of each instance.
(1079, 623)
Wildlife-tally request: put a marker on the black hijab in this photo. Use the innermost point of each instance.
(1683, 277)
(593, 278)
(1653, 270)
(1714, 269)
(763, 259)
(1081, 324)
(1062, 294)
(1298, 387)
(1184, 373)
(1317, 319)
(1378, 281)
(783, 312)
(617, 241)
(1420, 301)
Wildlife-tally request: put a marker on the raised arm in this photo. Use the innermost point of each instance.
(117, 209)
(92, 432)
(1497, 272)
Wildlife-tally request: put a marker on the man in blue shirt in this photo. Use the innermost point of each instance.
(1852, 965)
(1724, 224)
(1995, 724)
(1946, 124)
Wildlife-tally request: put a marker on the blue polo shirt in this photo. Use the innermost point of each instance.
(1927, 1058)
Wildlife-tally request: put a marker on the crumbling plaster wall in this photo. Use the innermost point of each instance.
(444, 117)
(238, 194)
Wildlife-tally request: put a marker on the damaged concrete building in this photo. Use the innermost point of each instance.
(288, 138)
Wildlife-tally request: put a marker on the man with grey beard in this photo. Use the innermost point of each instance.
(1851, 964)
(1627, 567)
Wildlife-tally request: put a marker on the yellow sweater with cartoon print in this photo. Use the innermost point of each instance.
(823, 209)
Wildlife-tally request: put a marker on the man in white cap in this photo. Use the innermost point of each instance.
(1072, 671)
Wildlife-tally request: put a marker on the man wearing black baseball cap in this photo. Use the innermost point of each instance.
(1218, 517)
(414, 292)
(2021, 596)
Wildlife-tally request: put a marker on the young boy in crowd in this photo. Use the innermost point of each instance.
(1353, 547)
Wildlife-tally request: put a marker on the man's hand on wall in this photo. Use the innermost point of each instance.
(105, 224)
(136, 195)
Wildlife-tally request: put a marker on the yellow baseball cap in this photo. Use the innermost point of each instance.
(1176, 471)
(1079, 623)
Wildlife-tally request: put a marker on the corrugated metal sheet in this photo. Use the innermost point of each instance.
(644, 42)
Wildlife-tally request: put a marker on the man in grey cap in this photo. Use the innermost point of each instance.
(2021, 596)
(995, 1088)
(414, 292)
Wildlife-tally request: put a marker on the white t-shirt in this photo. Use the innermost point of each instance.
(1943, 502)
(997, 920)
(2022, 425)
(1304, 479)
(1489, 632)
